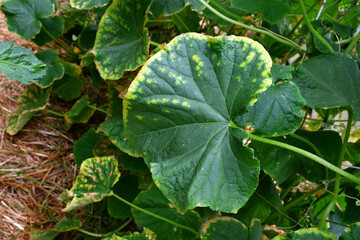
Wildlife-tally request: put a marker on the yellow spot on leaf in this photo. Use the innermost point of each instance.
(175, 101)
(185, 104)
(139, 117)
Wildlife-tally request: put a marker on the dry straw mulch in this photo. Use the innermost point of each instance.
(35, 165)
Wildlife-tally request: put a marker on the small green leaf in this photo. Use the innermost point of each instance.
(122, 41)
(31, 101)
(83, 148)
(329, 81)
(278, 111)
(224, 228)
(94, 182)
(20, 64)
(113, 127)
(80, 112)
(127, 188)
(70, 85)
(353, 233)
(306, 234)
(352, 210)
(169, 7)
(186, 20)
(88, 4)
(178, 114)
(51, 29)
(281, 72)
(145, 235)
(55, 70)
(23, 16)
(154, 201)
(87, 59)
(66, 225)
(273, 11)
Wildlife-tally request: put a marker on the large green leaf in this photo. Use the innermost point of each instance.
(20, 64)
(353, 233)
(113, 126)
(280, 163)
(224, 228)
(87, 4)
(278, 111)
(83, 148)
(55, 70)
(306, 234)
(51, 29)
(145, 235)
(154, 201)
(178, 115)
(23, 16)
(31, 101)
(273, 11)
(329, 81)
(169, 7)
(122, 41)
(94, 182)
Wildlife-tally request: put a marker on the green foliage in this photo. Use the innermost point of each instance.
(238, 118)
(20, 64)
(122, 42)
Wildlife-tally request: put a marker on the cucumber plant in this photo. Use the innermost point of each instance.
(222, 118)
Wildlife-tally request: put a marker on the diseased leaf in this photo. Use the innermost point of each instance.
(255, 231)
(306, 234)
(23, 16)
(353, 233)
(329, 81)
(224, 228)
(154, 201)
(20, 64)
(278, 111)
(169, 7)
(122, 41)
(178, 115)
(80, 112)
(87, 4)
(51, 29)
(55, 70)
(113, 127)
(273, 11)
(127, 188)
(32, 100)
(83, 148)
(94, 182)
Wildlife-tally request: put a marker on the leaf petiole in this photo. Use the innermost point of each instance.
(306, 154)
(156, 216)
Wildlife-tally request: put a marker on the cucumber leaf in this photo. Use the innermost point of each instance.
(122, 41)
(23, 16)
(32, 100)
(20, 64)
(178, 114)
(55, 70)
(87, 4)
(224, 228)
(169, 7)
(329, 81)
(94, 182)
(154, 201)
(51, 29)
(83, 148)
(305, 234)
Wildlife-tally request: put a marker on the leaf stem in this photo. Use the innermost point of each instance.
(96, 108)
(306, 154)
(54, 113)
(322, 224)
(90, 233)
(156, 216)
(312, 30)
(160, 21)
(154, 43)
(56, 40)
(266, 32)
(352, 44)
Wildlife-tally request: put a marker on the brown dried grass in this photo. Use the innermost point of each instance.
(36, 165)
